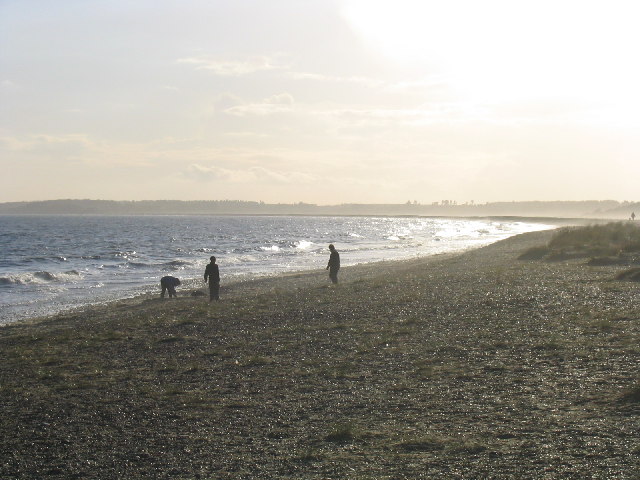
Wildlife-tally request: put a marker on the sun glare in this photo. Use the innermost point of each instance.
(497, 50)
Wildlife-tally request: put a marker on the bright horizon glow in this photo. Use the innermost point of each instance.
(322, 101)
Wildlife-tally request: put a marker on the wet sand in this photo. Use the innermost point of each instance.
(474, 365)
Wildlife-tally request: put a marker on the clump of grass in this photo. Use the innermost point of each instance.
(631, 395)
(610, 242)
(610, 238)
(469, 446)
(172, 339)
(603, 325)
(553, 344)
(217, 352)
(412, 321)
(423, 370)
(192, 368)
(309, 455)
(632, 275)
(535, 253)
(423, 444)
(111, 336)
(605, 261)
(432, 443)
(341, 433)
(187, 322)
(258, 361)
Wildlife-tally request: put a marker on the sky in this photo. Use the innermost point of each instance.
(320, 101)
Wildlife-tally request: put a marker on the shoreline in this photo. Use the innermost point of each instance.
(189, 284)
(237, 287)
(468, 365)
(71, 298)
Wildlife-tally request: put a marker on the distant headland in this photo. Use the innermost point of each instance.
(608, 209)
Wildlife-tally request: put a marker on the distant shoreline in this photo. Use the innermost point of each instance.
(546, 209)
(530, 219)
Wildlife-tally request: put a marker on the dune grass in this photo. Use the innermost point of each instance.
(615, 239)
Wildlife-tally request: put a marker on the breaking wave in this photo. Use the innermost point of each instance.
(41, 277)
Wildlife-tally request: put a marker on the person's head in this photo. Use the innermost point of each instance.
(177, 281)
(213, 259)
(331, 247)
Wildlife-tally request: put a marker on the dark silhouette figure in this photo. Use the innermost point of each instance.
(212, 273)
(169, 283)
(633, 216)
(334, 264)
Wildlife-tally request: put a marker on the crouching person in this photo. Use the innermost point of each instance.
(169, 283)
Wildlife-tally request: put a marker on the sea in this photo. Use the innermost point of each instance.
(54, 263)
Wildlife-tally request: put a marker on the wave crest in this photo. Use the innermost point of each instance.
(40, 277)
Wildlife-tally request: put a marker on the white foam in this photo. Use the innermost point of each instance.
(303, 244)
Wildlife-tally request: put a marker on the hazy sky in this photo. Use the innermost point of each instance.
(321, 101)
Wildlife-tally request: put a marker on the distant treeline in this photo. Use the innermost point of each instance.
(579, 209)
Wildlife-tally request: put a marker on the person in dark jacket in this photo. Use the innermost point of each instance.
(334, 264)
(212, 273)
(169, 283)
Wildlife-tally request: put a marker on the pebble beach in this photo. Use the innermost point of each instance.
(472, 365)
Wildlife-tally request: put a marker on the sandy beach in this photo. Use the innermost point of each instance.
(474, 365)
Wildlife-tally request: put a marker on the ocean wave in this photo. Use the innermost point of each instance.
(239, 259)
(177, 263)
(123, 254)
(400, 237)
(53, 258)
(174, 265)
(46, 276)
(137, 264)
(303, 244)
(40, 277)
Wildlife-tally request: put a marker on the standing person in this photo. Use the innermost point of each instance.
(212, 273)
(334, 264)
(633, 216)
(169, 283)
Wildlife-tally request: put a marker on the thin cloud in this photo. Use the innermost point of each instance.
(279, 103)
(251, 175)
(281, 177)
(231, 68)
(255, 64)
(200, 172)
(8, 85)
(317, 77)
(44, 142)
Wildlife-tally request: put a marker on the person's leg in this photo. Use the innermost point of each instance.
(214, 291)
(172, 291)
(333, 275)
(164, 289)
